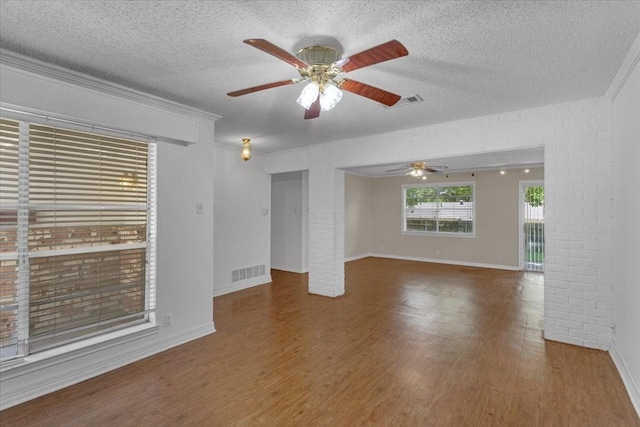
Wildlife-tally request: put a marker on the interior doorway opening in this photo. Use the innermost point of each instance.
(532, 226)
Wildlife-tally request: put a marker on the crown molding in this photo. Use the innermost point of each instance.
(625, 69)
(45, 69)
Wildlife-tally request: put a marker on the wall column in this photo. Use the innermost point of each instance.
(326, 226)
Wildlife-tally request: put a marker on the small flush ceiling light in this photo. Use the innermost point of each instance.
(526, 171)
(502, 172)
(246, 149)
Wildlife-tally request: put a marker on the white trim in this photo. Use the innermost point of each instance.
(625, 69)
(361, 256)
(350, 172)
(31, 65)
(471, 235)
(97, 367)
(244, 284)
(630, 383)
(31, 115)
(289, 268)
(403, 225)
(449, 262)
(54, 356)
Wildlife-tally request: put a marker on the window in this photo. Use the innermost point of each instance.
(439, 209)
(77, 236)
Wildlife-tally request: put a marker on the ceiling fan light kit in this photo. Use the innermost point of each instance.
(329, 97)
(309, 95)
(419, 170)
(417, 173)
(320, 65)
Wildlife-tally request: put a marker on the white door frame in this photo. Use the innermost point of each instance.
(522, 186)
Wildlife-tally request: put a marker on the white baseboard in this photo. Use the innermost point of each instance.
(627, 377)
(97, 367)
(357, 257)
(439, 261)
(244, 284)
(289, 268)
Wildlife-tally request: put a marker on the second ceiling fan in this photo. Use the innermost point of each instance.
(419, 169)
(321, 65)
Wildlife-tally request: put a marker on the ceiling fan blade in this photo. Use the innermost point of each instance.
(398, 169)
(313, 111)
(263, 87)
(432, 170)
(274, 50)
(384, 52)
(368, 91)
(435, 169)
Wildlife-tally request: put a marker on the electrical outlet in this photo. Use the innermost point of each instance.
(168, 320)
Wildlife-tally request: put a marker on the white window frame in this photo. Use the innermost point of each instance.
(403, 225)
(26, 363)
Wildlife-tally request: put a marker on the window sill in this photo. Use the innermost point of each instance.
(75, 350)
(434, 234)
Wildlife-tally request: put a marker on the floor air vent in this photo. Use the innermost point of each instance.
(247, 273)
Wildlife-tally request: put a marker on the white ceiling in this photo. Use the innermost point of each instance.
(466, 59)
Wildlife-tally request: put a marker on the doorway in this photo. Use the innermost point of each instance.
(531, 226)
(289, 221)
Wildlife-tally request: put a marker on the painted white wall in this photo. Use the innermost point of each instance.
(577, 139)
(305, 221)
(496, 219)
(185, 240)
(358, 225)
(626, 249)
(287, 211)
(296, 159)
(242, 218)
(29, 83)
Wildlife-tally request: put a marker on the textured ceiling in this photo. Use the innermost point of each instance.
(466, 59)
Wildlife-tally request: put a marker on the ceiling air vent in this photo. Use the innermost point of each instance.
(413, 99)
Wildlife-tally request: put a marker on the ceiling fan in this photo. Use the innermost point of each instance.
(321, 65)
(419, 169)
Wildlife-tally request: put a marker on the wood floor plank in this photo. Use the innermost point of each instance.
(409, 344)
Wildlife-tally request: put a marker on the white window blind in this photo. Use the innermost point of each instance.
(88, 226)
(9, 158)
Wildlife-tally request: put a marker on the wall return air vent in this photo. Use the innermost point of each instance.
(247, 273)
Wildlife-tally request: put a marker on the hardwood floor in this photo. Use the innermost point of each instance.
(409, 344)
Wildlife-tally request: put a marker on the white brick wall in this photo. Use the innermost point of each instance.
(579, 221)
(326, 226)
(577, 138)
